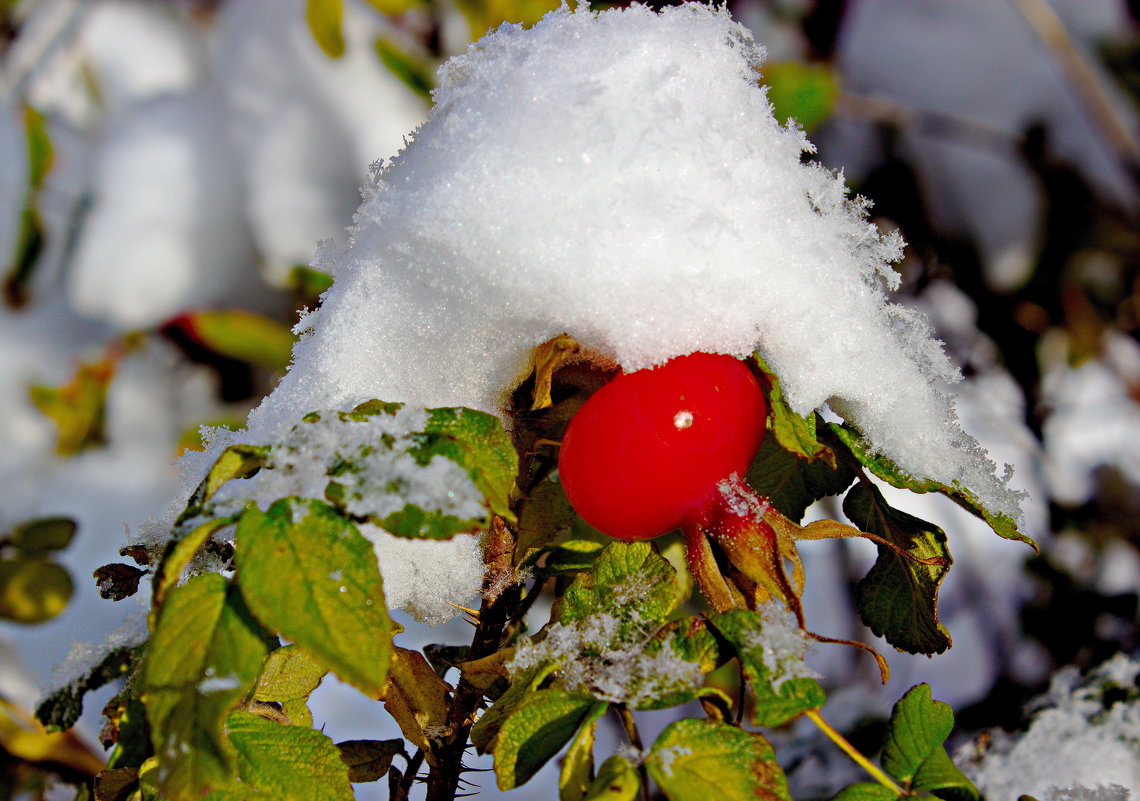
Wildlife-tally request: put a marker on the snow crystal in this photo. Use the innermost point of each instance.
(425, 577)
(568, 182)
(594, 656)
(85, 657)
(666, 756)
(381, 478)
(1083, 735)
(1079, 792)
(783, 644)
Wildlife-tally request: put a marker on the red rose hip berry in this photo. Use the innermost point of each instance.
(646, 452)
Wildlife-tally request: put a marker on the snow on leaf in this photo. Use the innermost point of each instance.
(1001, 521)
(695, 760)
(459, 265)
(285, 561)
(627, 578)
(771, 648)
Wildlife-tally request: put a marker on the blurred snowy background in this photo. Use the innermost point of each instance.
(168, 167)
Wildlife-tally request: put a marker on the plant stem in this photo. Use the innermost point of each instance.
(630, 727)
(853, 752)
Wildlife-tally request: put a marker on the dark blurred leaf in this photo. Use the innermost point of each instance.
(30, 237)
(40, 536)
(33, 590)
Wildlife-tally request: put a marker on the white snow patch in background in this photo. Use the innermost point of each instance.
(1072, 741)
(643, 200)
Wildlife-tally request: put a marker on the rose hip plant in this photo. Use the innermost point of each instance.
(254, 605)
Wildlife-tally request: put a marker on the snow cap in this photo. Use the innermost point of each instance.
(619, 176)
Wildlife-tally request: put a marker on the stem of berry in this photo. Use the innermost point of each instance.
(733, 519)
(851, 751)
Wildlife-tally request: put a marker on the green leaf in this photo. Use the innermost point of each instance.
(698, 760)
(898, 598)
(544, 513)
(78, 408)
(913, 751)
(30, 239)
(41, 154)
(474, 441)
(577, 769)
(369, 760)
(33, 590)
(236, 461)
(790, 483)
(545, 722)
(572, 556)
(325, 18)
(180, 552)
(393, 8)
(287, 761)
(779, 699)
(416, 697)
(804, 92)
(203, 659)
(483, 15)
(40, 536)
(617, 781)
(628, 579)
(486, 729)
(477, 442)
(289, 673)
(310, 575)
(60, 710)
(793, 432)
(308, 283)
(242, 335)
(865, 791)
(415, 73)
(1003, 525)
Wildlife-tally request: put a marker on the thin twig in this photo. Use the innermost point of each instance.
(1041, 17)
(630, 727)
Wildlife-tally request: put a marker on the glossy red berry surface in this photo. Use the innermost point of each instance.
(648, 449)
